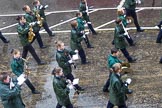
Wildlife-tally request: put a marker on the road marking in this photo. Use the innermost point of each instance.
(8, 26)
(65, 21)
(67, 11)
(105, 29)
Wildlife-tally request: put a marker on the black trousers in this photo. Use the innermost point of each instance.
(159, 37)
(67, 106)
(30, 48)
(133, 14)
(71, 78)
(2, 37)
(30, 85)
(39, 39)
(45, 26)
(82, 56)
(106, 86)
(126, 54)
(129, 40)
(110, 105)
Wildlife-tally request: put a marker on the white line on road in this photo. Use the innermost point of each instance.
(105, 29)
(65, 21)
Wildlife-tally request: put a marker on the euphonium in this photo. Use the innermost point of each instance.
(40, 19)
(31, 34)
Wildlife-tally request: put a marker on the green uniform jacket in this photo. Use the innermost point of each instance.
(23, 33)
(30, 17)
(112, 60)
(80, 23)
(40, 11)
(17, 66)
(62, 58)
(82, 9)
(10, 97)
(130, 4)
(75, 40)
(61, 91)
(124, 21)
(119, 40)
(117, 90)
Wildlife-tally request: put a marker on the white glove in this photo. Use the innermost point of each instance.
(46, 6)
(86, 33)
(41, 7)
(76, 51)
(70, 61)
(38, 22)
(32, 23)
(68, 81)
(84, 36)
(128, 81)
(126, 33)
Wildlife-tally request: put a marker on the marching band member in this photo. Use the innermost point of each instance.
(10, 97)
(63, 58)
(82, 28)
(125, 22)
(111, 60)
(31, 18)
(60, 88)
(3, 38)
(83, 8)
(119, 41)
(130, 6)
(23, 29)
(40, 9)
(17, 66)
(117, 88)
(75, 41)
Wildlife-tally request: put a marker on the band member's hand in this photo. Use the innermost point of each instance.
(32, 23)
(84, 36)
(70, 61)
(128, 81)
(38, 22)
(76, 51)
(46, 6)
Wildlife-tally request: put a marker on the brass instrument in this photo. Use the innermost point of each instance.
(27, 70)
(126, 68)
(39, 18)
(31, 34)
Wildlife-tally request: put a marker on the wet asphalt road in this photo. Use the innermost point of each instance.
(147, 77)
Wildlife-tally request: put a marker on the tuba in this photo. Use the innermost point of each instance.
(39, 18)
(31, 34)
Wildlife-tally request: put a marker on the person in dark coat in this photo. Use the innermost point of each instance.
(23, 30)
(81, 28)
(32, 19)
(130, 7)
(10, 95)
(75, 41)
(3, 38)
(17, 66)
(63, 58)
(60, 88)
(117, 88)
(119, 41)
(38, 7)
(83, 8)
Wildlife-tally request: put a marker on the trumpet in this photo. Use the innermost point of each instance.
(31, 34)
(39, 18)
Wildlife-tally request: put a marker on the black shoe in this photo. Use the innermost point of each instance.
(52, 35)
(80, 89)
(42, 63)
(42, 47)
(7, 41)
(90, 46)
(133, 60)
(133, 44)
(35, 92)
(140, 30)
(86, 62)
(95, 33)
(129, 91)
(105, 90)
